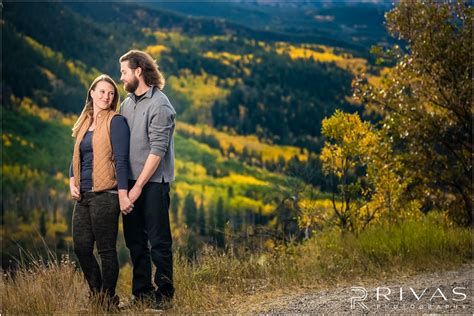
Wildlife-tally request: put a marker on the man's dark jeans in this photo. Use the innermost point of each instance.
(149, 221)
(95, 220)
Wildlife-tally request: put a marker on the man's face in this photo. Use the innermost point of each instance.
(128, 77)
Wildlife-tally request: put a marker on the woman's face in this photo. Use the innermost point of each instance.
(102, 95)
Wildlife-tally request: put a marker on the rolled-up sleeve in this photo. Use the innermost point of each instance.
(160, 130)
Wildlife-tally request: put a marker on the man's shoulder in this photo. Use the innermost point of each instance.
(160, 100)
(127, 100)
(159, 97)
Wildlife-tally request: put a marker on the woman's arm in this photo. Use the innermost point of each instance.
(120, 138)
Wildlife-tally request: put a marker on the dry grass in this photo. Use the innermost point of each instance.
(223, 282)
(43, 287)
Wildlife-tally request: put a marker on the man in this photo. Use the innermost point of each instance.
(151, 119)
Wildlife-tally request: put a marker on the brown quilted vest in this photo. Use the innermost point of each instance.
(103, 164)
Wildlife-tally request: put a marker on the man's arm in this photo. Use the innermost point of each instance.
(151, 164)
(159, 134)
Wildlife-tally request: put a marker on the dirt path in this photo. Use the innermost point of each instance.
(426, 293)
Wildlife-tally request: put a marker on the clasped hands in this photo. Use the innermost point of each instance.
(126, 204)
(127, 200)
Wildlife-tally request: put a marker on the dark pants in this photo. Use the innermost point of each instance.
(95, 220)
(149, 222)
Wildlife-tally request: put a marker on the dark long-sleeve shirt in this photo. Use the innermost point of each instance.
(120, 139)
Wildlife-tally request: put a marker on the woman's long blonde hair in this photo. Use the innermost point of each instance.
(88, 109)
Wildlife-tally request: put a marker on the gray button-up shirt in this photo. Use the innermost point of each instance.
(152, 122)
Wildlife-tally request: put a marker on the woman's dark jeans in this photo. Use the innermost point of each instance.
(95, 219)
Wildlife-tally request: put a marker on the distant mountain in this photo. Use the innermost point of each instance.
(357, 23)
(156, 15)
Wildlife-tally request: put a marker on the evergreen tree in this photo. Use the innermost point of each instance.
(201, 219)
(230, 192)
(212, 221)
(175, 206)
(42, 225)
(190, 211)
(220, 223)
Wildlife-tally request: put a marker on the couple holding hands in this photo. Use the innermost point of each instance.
(123, 162)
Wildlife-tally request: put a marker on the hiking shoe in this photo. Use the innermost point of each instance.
(162, 302)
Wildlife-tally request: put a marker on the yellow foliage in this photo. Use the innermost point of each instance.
(298, 52)
(75, 68)
(239, 179)
(8, 138)
(269, 244)
(53, 193)
(81, 73)
(175, 38)
(54, 228)
(59, 176)
(251, 142)
(229, 59)
(45, 114)
(202, 90)
(21, 174)
(242, 203)
(377, 81)
(156, 50)
(69, 120)
(43, 50)
(315, 211)
(189, 169)
(306, 51)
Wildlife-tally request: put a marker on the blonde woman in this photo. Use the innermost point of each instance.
(99, 183)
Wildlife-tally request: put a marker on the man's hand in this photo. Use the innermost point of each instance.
(151, 164)
(135, 192)
(126, 206)
(75, 192)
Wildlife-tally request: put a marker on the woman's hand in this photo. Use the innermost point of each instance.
(75, 193)
(126, 206)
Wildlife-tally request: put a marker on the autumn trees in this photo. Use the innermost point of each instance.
(423, 143)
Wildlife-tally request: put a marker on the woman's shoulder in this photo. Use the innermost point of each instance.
(118, 121)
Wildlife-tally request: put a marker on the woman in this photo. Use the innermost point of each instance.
(99, 183)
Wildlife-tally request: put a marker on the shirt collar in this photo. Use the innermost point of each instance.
(148, 94)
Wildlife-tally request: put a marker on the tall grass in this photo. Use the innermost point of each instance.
(220, 282)
(42, 285)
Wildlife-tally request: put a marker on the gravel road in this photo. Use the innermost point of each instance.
(446, 292)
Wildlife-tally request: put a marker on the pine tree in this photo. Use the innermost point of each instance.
(220, 223)
(212, 221)
(175, 206)
(201, 219)
(190, 211)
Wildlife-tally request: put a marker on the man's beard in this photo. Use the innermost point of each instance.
(132, 86)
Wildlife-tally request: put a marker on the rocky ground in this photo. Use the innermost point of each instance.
(446, 292)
